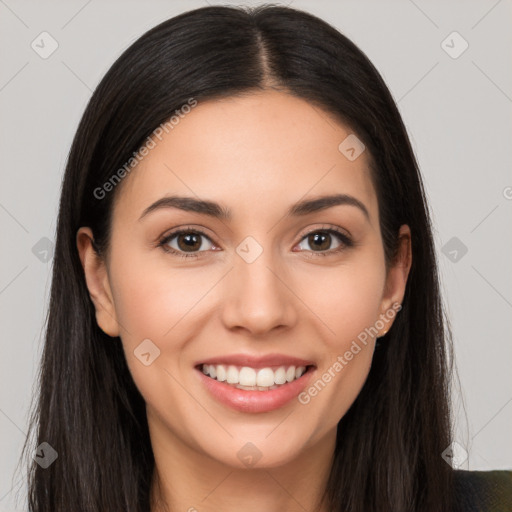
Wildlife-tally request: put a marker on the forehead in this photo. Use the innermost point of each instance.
(258, 152)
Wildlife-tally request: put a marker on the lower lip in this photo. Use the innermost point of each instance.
(255, 401)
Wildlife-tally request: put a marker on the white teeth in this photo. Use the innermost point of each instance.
(221, 373)
(252, 379)
(247, 376)
(280, 376)
(265, 377)
(232, 375)
(256, 388)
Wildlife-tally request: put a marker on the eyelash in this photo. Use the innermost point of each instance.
(346, 242)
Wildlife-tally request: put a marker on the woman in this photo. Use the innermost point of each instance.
(245, 310)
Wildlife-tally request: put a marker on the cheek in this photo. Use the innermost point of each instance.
(346, 299)
(156, 302)
(164, 304)
(153, 298)
(347, 302)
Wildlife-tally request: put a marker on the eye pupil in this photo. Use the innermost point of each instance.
(322, 237)
(189, 241)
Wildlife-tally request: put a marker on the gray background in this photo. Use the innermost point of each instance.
(458, 114)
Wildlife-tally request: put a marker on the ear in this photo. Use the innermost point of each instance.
(97, 281)
(396, 279)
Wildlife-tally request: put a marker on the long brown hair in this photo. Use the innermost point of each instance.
(389, 444)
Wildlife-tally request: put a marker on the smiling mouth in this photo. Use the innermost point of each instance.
(254, 379)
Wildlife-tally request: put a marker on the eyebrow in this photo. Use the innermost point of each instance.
(212, 209)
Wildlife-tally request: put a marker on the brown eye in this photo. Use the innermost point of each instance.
(186, 241)
(189, 241)
(321, 241)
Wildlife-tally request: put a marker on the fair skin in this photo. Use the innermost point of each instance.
(256, 155)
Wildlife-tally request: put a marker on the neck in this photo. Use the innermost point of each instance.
(187, 480)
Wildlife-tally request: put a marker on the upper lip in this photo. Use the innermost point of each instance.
(257, 361)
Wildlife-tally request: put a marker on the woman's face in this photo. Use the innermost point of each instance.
(265, 288)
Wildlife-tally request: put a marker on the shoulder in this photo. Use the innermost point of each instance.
(483, 491)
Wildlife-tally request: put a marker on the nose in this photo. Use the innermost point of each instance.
(257, 297)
